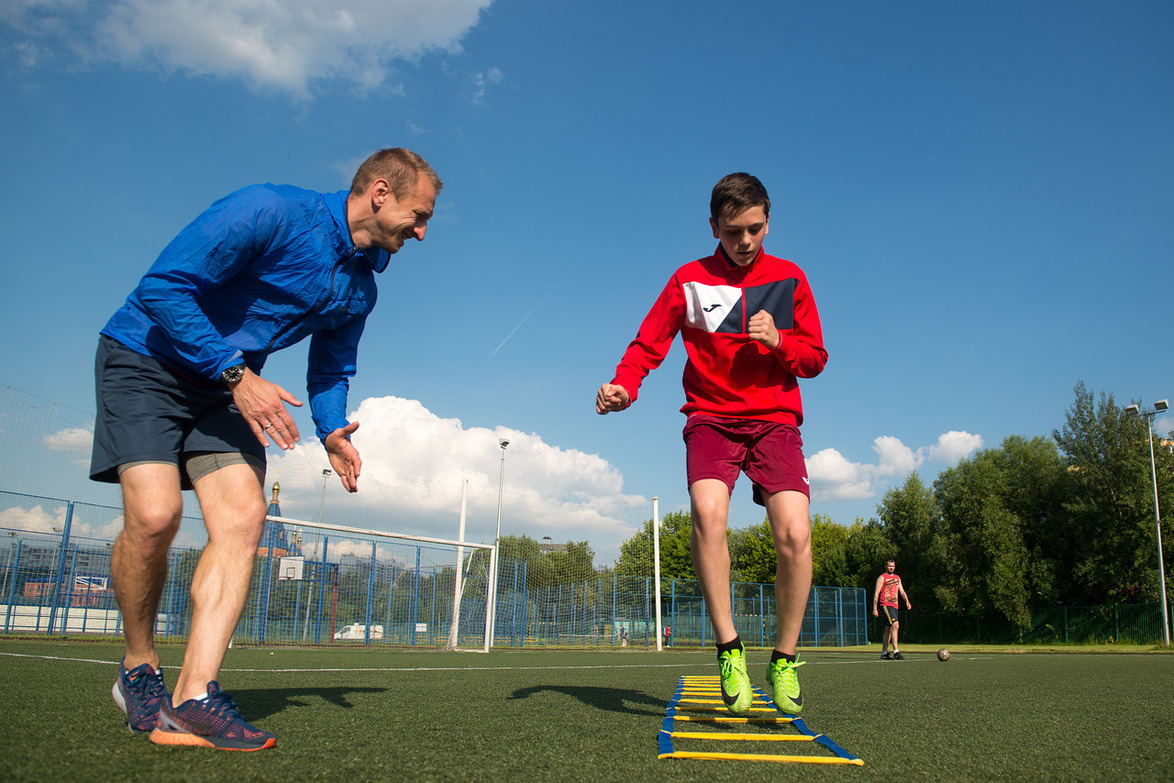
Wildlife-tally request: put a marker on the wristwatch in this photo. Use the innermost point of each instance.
(232, 374)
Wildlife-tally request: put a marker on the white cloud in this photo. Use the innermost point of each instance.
(834, 477)
(953, 446)
(286, 44)
(896, 459)
(32, 520)
(414, 464)
(75, 439)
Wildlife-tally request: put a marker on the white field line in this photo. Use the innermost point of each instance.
(677, 665)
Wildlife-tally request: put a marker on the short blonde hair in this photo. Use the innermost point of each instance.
(399, 166)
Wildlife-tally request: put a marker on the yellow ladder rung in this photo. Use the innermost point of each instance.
(679, 754)
(717, 735)
(712, 701)
(732, 719)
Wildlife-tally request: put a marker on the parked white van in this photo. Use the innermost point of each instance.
(357, 631)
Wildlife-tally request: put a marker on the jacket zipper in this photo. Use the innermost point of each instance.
(321, 303)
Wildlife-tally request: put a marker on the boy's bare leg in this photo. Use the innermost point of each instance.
(152, 509)
(791, 527)
(233, 505)
(710, 501)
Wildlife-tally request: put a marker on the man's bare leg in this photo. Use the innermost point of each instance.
(233, 505)
(152, 508)
(710, 500)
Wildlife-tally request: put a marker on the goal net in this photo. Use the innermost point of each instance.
(325, 583)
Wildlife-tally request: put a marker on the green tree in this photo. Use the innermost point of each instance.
(980, 554)
(676, 561)
(752, 554)
(911, 519)
(1111, 504)
(829, 554)
(865, 551)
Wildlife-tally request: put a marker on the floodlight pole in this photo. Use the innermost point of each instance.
(1148, 415)
(496, 558)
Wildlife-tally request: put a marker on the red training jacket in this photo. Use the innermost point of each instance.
(710, 302)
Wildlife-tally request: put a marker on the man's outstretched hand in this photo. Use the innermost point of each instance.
(344, 457)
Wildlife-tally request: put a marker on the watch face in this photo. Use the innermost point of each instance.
(233, 374)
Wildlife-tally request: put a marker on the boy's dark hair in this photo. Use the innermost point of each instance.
(735, 193)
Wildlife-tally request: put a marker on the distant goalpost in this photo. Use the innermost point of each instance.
(459, 565)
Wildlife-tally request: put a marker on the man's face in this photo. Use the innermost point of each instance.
(399, 220)
(891, 567)
(741, 235)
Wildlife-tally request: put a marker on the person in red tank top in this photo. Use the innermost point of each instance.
(888, 590)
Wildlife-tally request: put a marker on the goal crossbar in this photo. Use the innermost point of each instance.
(358, 531)
(491, 591)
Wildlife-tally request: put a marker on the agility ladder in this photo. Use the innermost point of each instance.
(702, 694)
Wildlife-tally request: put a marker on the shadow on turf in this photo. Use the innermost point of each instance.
(610, 699)
(263, 702)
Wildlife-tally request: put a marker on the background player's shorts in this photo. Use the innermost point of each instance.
(769, 453)
(888, 614)
(147, 413)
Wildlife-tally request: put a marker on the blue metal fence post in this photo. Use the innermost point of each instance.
(514, 607)
(815, 611)
(172, 626)
(762, 615)
(371, 593)
(415, 613)
(321, 591)
(673, 610)
(525, 611)
(263, 597)
(12, 586)
(60, 565)
(72, 591)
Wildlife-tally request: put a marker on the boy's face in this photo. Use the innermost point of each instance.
(741, 235)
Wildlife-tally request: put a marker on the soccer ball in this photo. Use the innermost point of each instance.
(943, 654)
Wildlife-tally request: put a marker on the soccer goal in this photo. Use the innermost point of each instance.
(322, 583)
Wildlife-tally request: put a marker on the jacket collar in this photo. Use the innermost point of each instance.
(336, 203)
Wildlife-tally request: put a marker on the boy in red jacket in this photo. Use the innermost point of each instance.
(750, 327)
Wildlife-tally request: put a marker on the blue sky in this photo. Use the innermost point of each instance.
(980, 194)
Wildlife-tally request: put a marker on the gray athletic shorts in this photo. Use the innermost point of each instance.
(149, 413)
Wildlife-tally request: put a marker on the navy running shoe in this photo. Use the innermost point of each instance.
(139, 693)
(209, 723)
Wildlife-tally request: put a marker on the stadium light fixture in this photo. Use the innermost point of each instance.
(1148, 415)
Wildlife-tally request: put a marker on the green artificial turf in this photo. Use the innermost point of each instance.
(361, 714)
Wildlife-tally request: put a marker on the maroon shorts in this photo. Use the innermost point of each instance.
(770, 454)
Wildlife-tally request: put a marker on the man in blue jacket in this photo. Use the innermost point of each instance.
(182, 405)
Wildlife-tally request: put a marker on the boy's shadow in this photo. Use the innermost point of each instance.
(260, 703)
(610, 699)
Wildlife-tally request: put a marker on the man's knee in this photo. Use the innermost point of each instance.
(151, 528)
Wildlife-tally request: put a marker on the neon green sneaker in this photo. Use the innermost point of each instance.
(784, 682)
(737, 692)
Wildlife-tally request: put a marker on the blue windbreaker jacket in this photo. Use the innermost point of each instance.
(258, 271)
